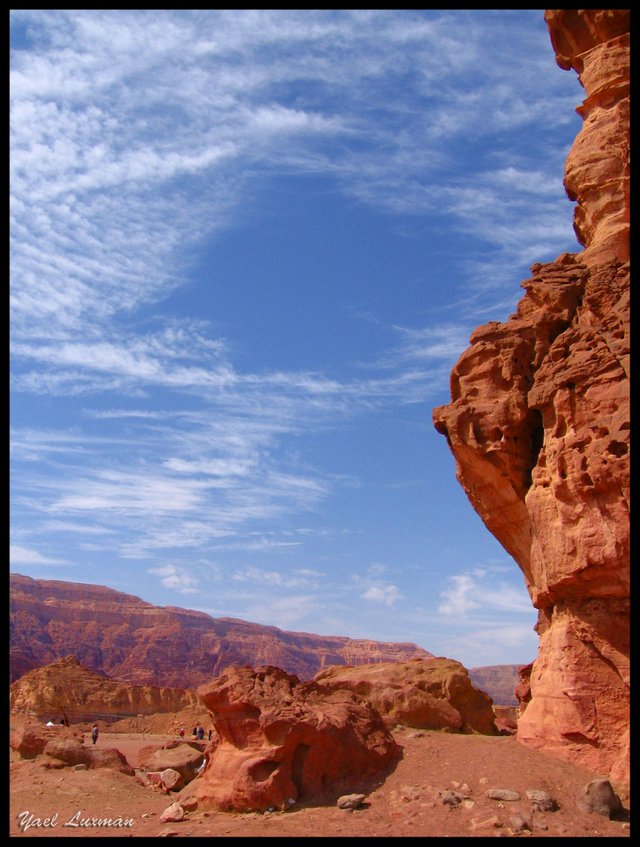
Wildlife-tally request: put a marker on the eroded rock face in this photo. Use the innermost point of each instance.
(423, 693)
(281, 741)
(124, 637)
(66, 689)
(539, 425)
(60, 747)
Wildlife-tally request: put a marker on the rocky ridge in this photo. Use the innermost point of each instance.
(123, 637)
(422, 693)
(539, 424)
(65, 689)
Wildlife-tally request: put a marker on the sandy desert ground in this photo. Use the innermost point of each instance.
(408, 803)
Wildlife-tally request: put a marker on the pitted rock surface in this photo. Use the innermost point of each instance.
(539, 424)
(282, 740)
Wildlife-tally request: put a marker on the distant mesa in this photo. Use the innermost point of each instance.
(499, 681)
(123, 637)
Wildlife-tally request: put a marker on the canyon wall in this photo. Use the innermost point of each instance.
(126, 638)
(539, 424)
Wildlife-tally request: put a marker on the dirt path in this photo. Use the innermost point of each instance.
(407, 803)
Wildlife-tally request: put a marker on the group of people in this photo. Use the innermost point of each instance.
(197, 732)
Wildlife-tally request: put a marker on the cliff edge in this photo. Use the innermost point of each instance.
(539, 424)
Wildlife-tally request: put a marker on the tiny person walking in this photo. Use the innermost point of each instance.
(94, 733)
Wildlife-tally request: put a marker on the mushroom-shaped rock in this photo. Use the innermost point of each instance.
(283, 740)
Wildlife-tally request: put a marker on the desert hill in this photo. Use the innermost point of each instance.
(123, 637)
(65, 689)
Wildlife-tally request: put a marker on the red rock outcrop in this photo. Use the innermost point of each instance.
(539, 425)
(65, 689)
(424, 693)
(60, 747)
(124, 637)
(281, 741)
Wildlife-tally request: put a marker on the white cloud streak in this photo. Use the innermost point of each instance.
(136, 136)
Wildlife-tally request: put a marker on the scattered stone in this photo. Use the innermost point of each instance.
(168, 833)
(80, 767)
(519, 823)
(461, 787)
(468, 804)
(598, 796)
(502, 794)
(350, 801)
(451, 798)
(174, 812)
(492, 822)
(542, 801)
(171, 779)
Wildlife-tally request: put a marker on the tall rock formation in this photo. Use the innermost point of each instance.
(539, 425)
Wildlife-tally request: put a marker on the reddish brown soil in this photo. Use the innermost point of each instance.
(407, 803)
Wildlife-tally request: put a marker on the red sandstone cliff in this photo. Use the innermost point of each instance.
(539, 425)
(126, 638)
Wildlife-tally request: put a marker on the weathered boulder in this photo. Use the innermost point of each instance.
(539, 425)
(172, 813)
(282, 741)
(30, 738)
(182, 758)
(599, 797)
(68, 753)
(423, 693)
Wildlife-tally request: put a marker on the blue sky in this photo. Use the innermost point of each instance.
(247, 248)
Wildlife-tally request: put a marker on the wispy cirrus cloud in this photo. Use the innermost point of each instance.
(19, 555)
(140, 137)
(103, 151)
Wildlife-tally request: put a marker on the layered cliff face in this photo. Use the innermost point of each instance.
(126, 638)
(66, 689)
(539, 425)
